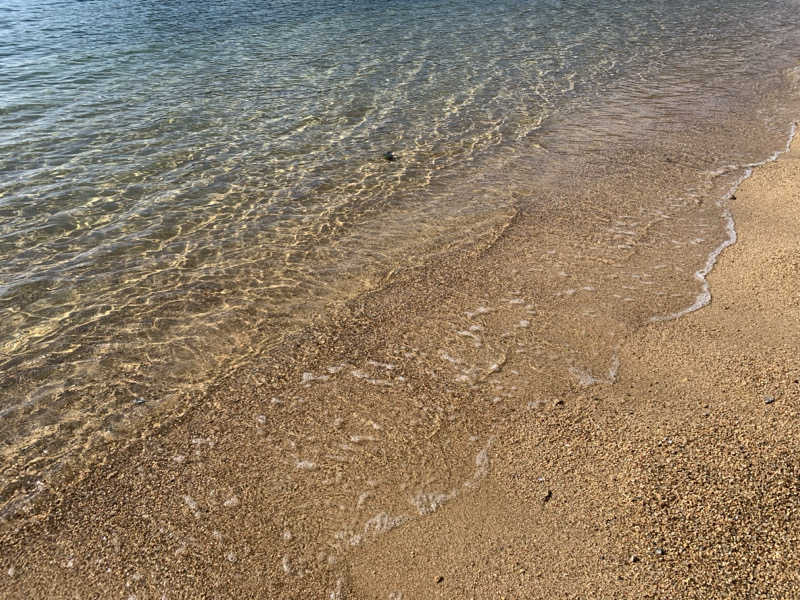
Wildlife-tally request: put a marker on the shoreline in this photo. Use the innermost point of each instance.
(730, 225)
(677, 480)
(549, 489)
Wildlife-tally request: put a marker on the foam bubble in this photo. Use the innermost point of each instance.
(481, 310)
(381, 365)
(476, 339)
(428, 502)
(362, 499)
(201, 441)
(286, 564)
(309, 378)
(336, 593)
(357, 439)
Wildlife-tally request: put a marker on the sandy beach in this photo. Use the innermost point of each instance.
(411, 447)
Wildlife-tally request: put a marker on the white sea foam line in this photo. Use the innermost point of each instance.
(704, 297)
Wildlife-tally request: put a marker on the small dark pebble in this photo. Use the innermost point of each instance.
(660, 552)
(769, 399)
(635, 559)
(139, 400)
(558, 402)
(547, 496)
(390, 156)
(733, 196)
(441, 579)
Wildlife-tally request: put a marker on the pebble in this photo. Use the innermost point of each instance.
(634, 559)
(660, 552)
(769, 399)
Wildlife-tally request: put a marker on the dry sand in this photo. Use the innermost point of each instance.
(371, 463)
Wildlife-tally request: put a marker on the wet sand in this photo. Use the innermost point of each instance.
(462, 433)
(680, 480)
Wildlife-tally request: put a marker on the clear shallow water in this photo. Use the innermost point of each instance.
(183, 183)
